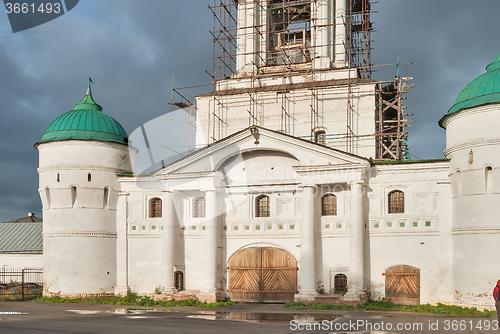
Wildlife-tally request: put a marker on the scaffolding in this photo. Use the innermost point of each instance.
(286, 45)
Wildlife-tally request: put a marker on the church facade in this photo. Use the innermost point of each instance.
(274, 210)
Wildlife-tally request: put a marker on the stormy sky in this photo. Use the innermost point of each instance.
(131, 48)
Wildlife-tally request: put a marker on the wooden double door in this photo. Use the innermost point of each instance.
(402, 285)
(262, 274)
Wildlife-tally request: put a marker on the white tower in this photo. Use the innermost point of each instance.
(81, 154)
(473, 145)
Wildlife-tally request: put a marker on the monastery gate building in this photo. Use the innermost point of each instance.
(302, 182)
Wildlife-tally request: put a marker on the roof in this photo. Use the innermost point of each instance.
(86, 122)
(30, 219)
(401, 162)
(485, 89)
(21, 238)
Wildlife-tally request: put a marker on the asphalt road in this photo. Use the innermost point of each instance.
(39, 318)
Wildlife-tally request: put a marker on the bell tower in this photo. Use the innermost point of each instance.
(301, 67)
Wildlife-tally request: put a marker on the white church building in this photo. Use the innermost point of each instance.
(274, 206)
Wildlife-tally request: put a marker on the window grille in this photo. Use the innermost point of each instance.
(340, 284)
(155, 208)
(262, 206)
(329, 205)
(199, 207)
(179, 280)
(396, 202)
(320, 137)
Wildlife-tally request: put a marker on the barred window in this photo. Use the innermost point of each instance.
(179, 280)
(262, 204)
(320, 137)
(329, 205)
(199, 207)
(340, 283)
(396, 201)
(155, 208)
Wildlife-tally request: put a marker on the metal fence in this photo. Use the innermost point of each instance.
(20, 284)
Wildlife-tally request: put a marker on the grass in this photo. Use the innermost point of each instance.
(131, 299)
(390, 307)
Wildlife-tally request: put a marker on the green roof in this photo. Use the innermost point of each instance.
(86, 122)
(485, 89)
(21, 238)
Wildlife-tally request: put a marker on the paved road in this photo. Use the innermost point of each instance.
(242, 318)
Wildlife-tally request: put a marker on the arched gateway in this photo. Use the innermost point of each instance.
(262, 274)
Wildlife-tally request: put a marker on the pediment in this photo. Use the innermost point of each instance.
(306, 153)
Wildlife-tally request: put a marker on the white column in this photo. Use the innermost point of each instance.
(340, 33)
(169, 219)
(250, 33)
(322, 29)
(121, 245)
(212, 236)
(307, 270)
(356, 241)
(241, 36)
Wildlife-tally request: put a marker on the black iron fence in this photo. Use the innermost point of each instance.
(20, 284)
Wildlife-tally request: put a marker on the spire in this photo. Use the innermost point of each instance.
(89, 89)
(88, 101)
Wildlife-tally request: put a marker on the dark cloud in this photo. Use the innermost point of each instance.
(131, 49)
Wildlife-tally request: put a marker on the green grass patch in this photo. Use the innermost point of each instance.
(388, 306)
(131, 299)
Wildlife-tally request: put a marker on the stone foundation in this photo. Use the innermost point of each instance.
(340, 300)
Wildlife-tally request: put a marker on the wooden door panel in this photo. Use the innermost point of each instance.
(402, 284)
(262, 275)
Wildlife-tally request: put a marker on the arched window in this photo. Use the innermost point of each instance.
(179, 280)
(199, 207)
(89, 177)
(396, 201)
(74, 194)
(489, 179)
(155, 208)
(47, 195)
(320, 137)
(340, 283)
(105, 199)
(329, 205)
(262, 206)
(58, 177)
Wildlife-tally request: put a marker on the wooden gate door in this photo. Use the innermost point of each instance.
(262, 274)
(402, 285)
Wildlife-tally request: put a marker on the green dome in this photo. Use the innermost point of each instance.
(86, 122)
(483, 90)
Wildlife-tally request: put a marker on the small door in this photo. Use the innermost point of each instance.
(402, 285)
(262, 274)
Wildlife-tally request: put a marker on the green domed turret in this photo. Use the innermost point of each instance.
(485, 89)
(86, 122)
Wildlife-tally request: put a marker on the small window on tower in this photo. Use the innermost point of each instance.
(89, 177)
(320, 137)
(58, 177)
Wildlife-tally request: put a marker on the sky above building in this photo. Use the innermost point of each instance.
(131, 49)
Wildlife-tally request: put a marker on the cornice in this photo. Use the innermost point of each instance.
(469, 145)
(80, 235)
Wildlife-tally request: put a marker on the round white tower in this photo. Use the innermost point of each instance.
(81, 154)
(473, 145)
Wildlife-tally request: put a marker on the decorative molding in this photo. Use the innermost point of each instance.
(80, 235)
(469, 145)
(474, 230)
